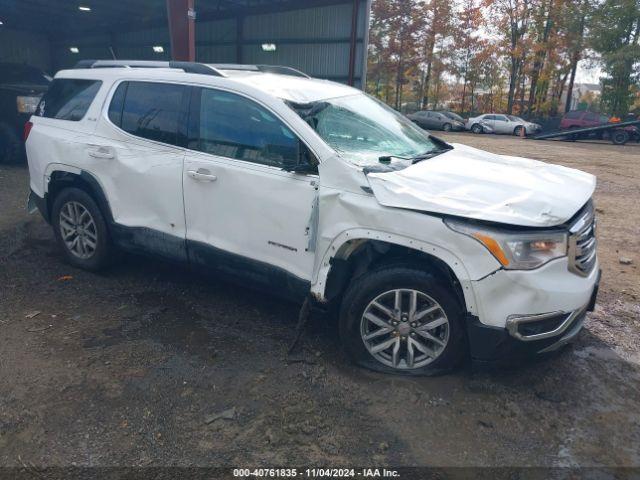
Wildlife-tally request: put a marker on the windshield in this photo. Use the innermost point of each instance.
(362, 129)
(453, 116)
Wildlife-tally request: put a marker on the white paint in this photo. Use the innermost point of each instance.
(472, 183)
(244, 205)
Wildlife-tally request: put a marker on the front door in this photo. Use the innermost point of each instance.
(245, 215)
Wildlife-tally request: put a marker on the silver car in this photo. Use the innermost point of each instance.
(505, 124)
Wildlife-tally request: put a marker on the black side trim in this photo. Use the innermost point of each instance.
(149, 242)
(493, 346)
(247, 270)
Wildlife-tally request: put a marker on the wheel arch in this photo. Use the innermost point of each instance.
(59, 177)
(356, 252)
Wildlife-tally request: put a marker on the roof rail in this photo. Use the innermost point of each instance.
(279, 69)
(187, 67)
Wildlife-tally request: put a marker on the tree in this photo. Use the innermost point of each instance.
(578, 14)
(615, 36)
(512, 17)
(467, 45)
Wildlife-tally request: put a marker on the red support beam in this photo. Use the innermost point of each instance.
(182, 29)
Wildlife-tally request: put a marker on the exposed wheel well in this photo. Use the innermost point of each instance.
(357, 257)
(59, 180)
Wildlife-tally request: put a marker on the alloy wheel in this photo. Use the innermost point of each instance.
(78, 230)
(404, 329)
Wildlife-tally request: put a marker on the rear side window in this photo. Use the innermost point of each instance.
(149, 110)
(68, 99)
(229, 125)
(117, 104)
(573, 115)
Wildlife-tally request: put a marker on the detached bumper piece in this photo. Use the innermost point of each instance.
(525, 335)
(492, 346)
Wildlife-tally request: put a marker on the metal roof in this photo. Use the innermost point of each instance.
(64, 18)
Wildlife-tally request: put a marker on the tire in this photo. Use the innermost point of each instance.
(619, 137)
(69, 205)
(476, 128)
(379, 286)
(518, 131)
(11, 150)
(447, 127)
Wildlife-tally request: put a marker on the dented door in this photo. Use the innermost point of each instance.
(245, 215)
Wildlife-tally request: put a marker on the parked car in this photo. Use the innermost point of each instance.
(507, 124)
(431, 120)
(429, 251)
(21, 87)
(577, 119)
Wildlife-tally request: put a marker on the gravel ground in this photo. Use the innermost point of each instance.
(131, 367)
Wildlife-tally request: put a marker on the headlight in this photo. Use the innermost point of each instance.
(516, 250)
(27, 104)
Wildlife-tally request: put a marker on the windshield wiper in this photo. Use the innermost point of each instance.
(441, 147)
(430, 154)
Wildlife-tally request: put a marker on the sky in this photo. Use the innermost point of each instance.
(587, 73)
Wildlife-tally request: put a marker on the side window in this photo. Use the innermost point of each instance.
(500, 118)
(573, 115)
(117, 104)
(152, 110)
(68, 99)
(489, 117)
(592, 117)
(230, 125)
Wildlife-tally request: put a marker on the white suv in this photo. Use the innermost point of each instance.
(431, 252)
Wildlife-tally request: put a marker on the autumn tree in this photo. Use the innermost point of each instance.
(615, 36)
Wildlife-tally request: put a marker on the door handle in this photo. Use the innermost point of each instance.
(202, 175)
(104, 153)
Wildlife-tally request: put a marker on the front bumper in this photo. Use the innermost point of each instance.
(525, 336)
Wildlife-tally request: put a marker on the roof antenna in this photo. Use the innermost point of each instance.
(113, 54)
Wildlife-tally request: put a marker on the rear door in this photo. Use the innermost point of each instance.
(137, 155)
(501, 124)
(245, 215)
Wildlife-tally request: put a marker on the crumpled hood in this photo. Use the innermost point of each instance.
(472, 183)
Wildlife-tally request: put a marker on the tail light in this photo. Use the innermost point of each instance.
(27, 130)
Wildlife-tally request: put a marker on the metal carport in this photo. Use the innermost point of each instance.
(324, 38)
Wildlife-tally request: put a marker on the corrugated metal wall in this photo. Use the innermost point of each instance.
(25, 47)
(314, 40)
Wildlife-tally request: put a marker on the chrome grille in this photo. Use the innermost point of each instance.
(583, 243)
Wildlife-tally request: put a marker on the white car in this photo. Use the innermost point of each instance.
(431, 252)
(499, 123)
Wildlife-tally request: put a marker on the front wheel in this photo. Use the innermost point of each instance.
(447, 127)
(476, 128)
(520, 131)
(402, 320)
(81, 230)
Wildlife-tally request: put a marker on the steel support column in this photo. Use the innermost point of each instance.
(181, 17)
(353, 41)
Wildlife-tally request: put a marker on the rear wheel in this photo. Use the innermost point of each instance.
(620, 137)
(81, 230)
(402, 320)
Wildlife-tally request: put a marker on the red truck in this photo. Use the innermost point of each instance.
(576, 119)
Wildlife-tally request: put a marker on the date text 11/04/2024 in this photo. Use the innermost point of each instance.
(316, 472)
